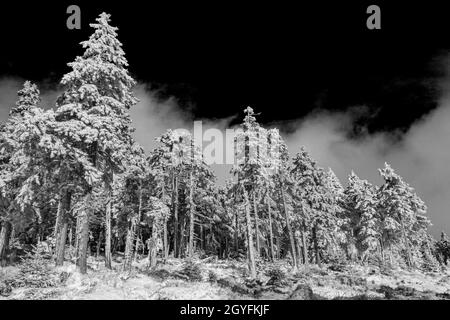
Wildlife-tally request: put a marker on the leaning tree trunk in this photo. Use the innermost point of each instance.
(191, 216)
(269, 212)
(250, 248)
(5, 234)
(289, 229)
(62, 226)
(84, 235)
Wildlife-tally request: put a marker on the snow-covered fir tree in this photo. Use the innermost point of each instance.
(93, 112)
(403, 218)
(362, 221)
(317, 203)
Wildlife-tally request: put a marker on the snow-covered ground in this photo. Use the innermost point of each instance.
(226, 279)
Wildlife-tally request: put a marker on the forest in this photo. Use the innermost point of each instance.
(74, 179)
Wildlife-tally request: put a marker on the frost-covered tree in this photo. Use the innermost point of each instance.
(135, 195)
(252, 172)
(362, 220)
(93, 112)
(185, 183)
(443, 248)
(29, 98)
(403, 217)
(23, 157)
(317, 204)
(156, 215)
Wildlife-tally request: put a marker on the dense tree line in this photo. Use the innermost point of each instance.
(74, 176)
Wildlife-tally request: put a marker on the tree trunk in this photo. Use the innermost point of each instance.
(305, 245)
(165, 236)
(409, 260)
(202, 244)
(84, 235)
(129, 245)
(77, 237)
(5, 235)
(138, 242)
(166, 240)
(236, 232)
(269, 212)
(382, 252)
(70, 236)
(191, 216)
(298, 242)
(255, 209)
(99, 242)
(13, 253)
(138, 224)
(115, 243)
(61, 243)
(108, 254)
(59, 213)
(288, 225)
(278, 250)
(131, 236)
(182, 244)
(152, 254)
(250, 248)
(175, 215)
(316, 246)
(61, 228)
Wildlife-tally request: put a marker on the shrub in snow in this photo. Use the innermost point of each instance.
(35, 272)
(192, 271)
(212, 276)
(276, 276)
(5, 288)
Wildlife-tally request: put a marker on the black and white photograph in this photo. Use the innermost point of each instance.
(246, 152)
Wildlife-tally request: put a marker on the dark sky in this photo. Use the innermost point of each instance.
(388, 88)
(282, 59)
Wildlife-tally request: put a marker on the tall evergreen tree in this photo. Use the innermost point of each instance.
(318, 203)
(402, 215)
(363, 223)
(93, 111)
(21, 160)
